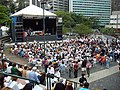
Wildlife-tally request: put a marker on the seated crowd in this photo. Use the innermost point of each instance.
(87, 49)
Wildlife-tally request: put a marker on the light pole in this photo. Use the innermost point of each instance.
(43, 2)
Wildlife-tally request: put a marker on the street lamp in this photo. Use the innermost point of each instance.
(43, 2)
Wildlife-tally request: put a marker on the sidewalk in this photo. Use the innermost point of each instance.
(100, 74)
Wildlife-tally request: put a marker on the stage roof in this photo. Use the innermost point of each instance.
(33, 10)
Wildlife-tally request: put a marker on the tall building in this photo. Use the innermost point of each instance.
(97, 8)
(114, 20)
(36, 2)
(115, 5)
(59, 5)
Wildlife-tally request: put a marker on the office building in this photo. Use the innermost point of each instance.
(36, 2)
(59, 5)
(97, 8)
(115, 5)
(114, 20)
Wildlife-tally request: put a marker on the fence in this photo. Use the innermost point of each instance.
(5, 39)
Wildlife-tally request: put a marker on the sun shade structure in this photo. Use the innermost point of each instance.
(33, 10)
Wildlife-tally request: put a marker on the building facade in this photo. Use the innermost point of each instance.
(36, 2)
(59, 5)
(97, 8)
(115, 5)
(114, 20)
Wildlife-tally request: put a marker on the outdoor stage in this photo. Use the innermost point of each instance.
(40, 38)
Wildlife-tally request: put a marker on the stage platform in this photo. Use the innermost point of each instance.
(40, 38)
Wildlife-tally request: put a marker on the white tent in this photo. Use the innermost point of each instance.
(33, 10)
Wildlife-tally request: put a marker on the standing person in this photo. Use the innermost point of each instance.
(88, 67)
(83, 66)
(70, 69)
(60, 85)
(57, 74)
(33, 75)
(50, 70)
(20, 69)
(14, 70)
(82, 79)
(62, 68)
(69, 86)
(76, 69)
(42, 78)
(28, 71)
(107, 61)
(115, 55)
(46, 64)
(9, 68)
(24, 73)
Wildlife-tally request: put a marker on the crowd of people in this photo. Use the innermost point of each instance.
(61, 57)
(72, 55)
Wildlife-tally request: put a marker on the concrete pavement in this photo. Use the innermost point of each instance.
(99, 74)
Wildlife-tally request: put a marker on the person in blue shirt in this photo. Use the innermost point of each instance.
(33, 75)
(85, 87)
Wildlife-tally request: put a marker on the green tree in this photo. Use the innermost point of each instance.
(94, 22)
(68, 22)
(10, 4)
(72, 20)
(83, 29)
(67, 19)
(65, 30)
(4, 15)
(78, 18)
(108, 30)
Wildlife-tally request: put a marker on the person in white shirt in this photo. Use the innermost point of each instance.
(50, 70)
(8, 70)
(57, 74)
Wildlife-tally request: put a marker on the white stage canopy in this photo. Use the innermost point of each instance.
(33, 10)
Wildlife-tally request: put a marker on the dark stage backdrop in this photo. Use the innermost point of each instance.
(37, 25)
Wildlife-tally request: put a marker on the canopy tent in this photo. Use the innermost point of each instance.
(33, 10)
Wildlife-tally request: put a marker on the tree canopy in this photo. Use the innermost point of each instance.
(4, 14)
(108, 30)
(78, 23)
(83, 29)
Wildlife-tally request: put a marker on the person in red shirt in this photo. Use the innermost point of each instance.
(75, 69)
(102, 60)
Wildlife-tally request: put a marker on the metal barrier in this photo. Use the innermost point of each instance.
(5, 39)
